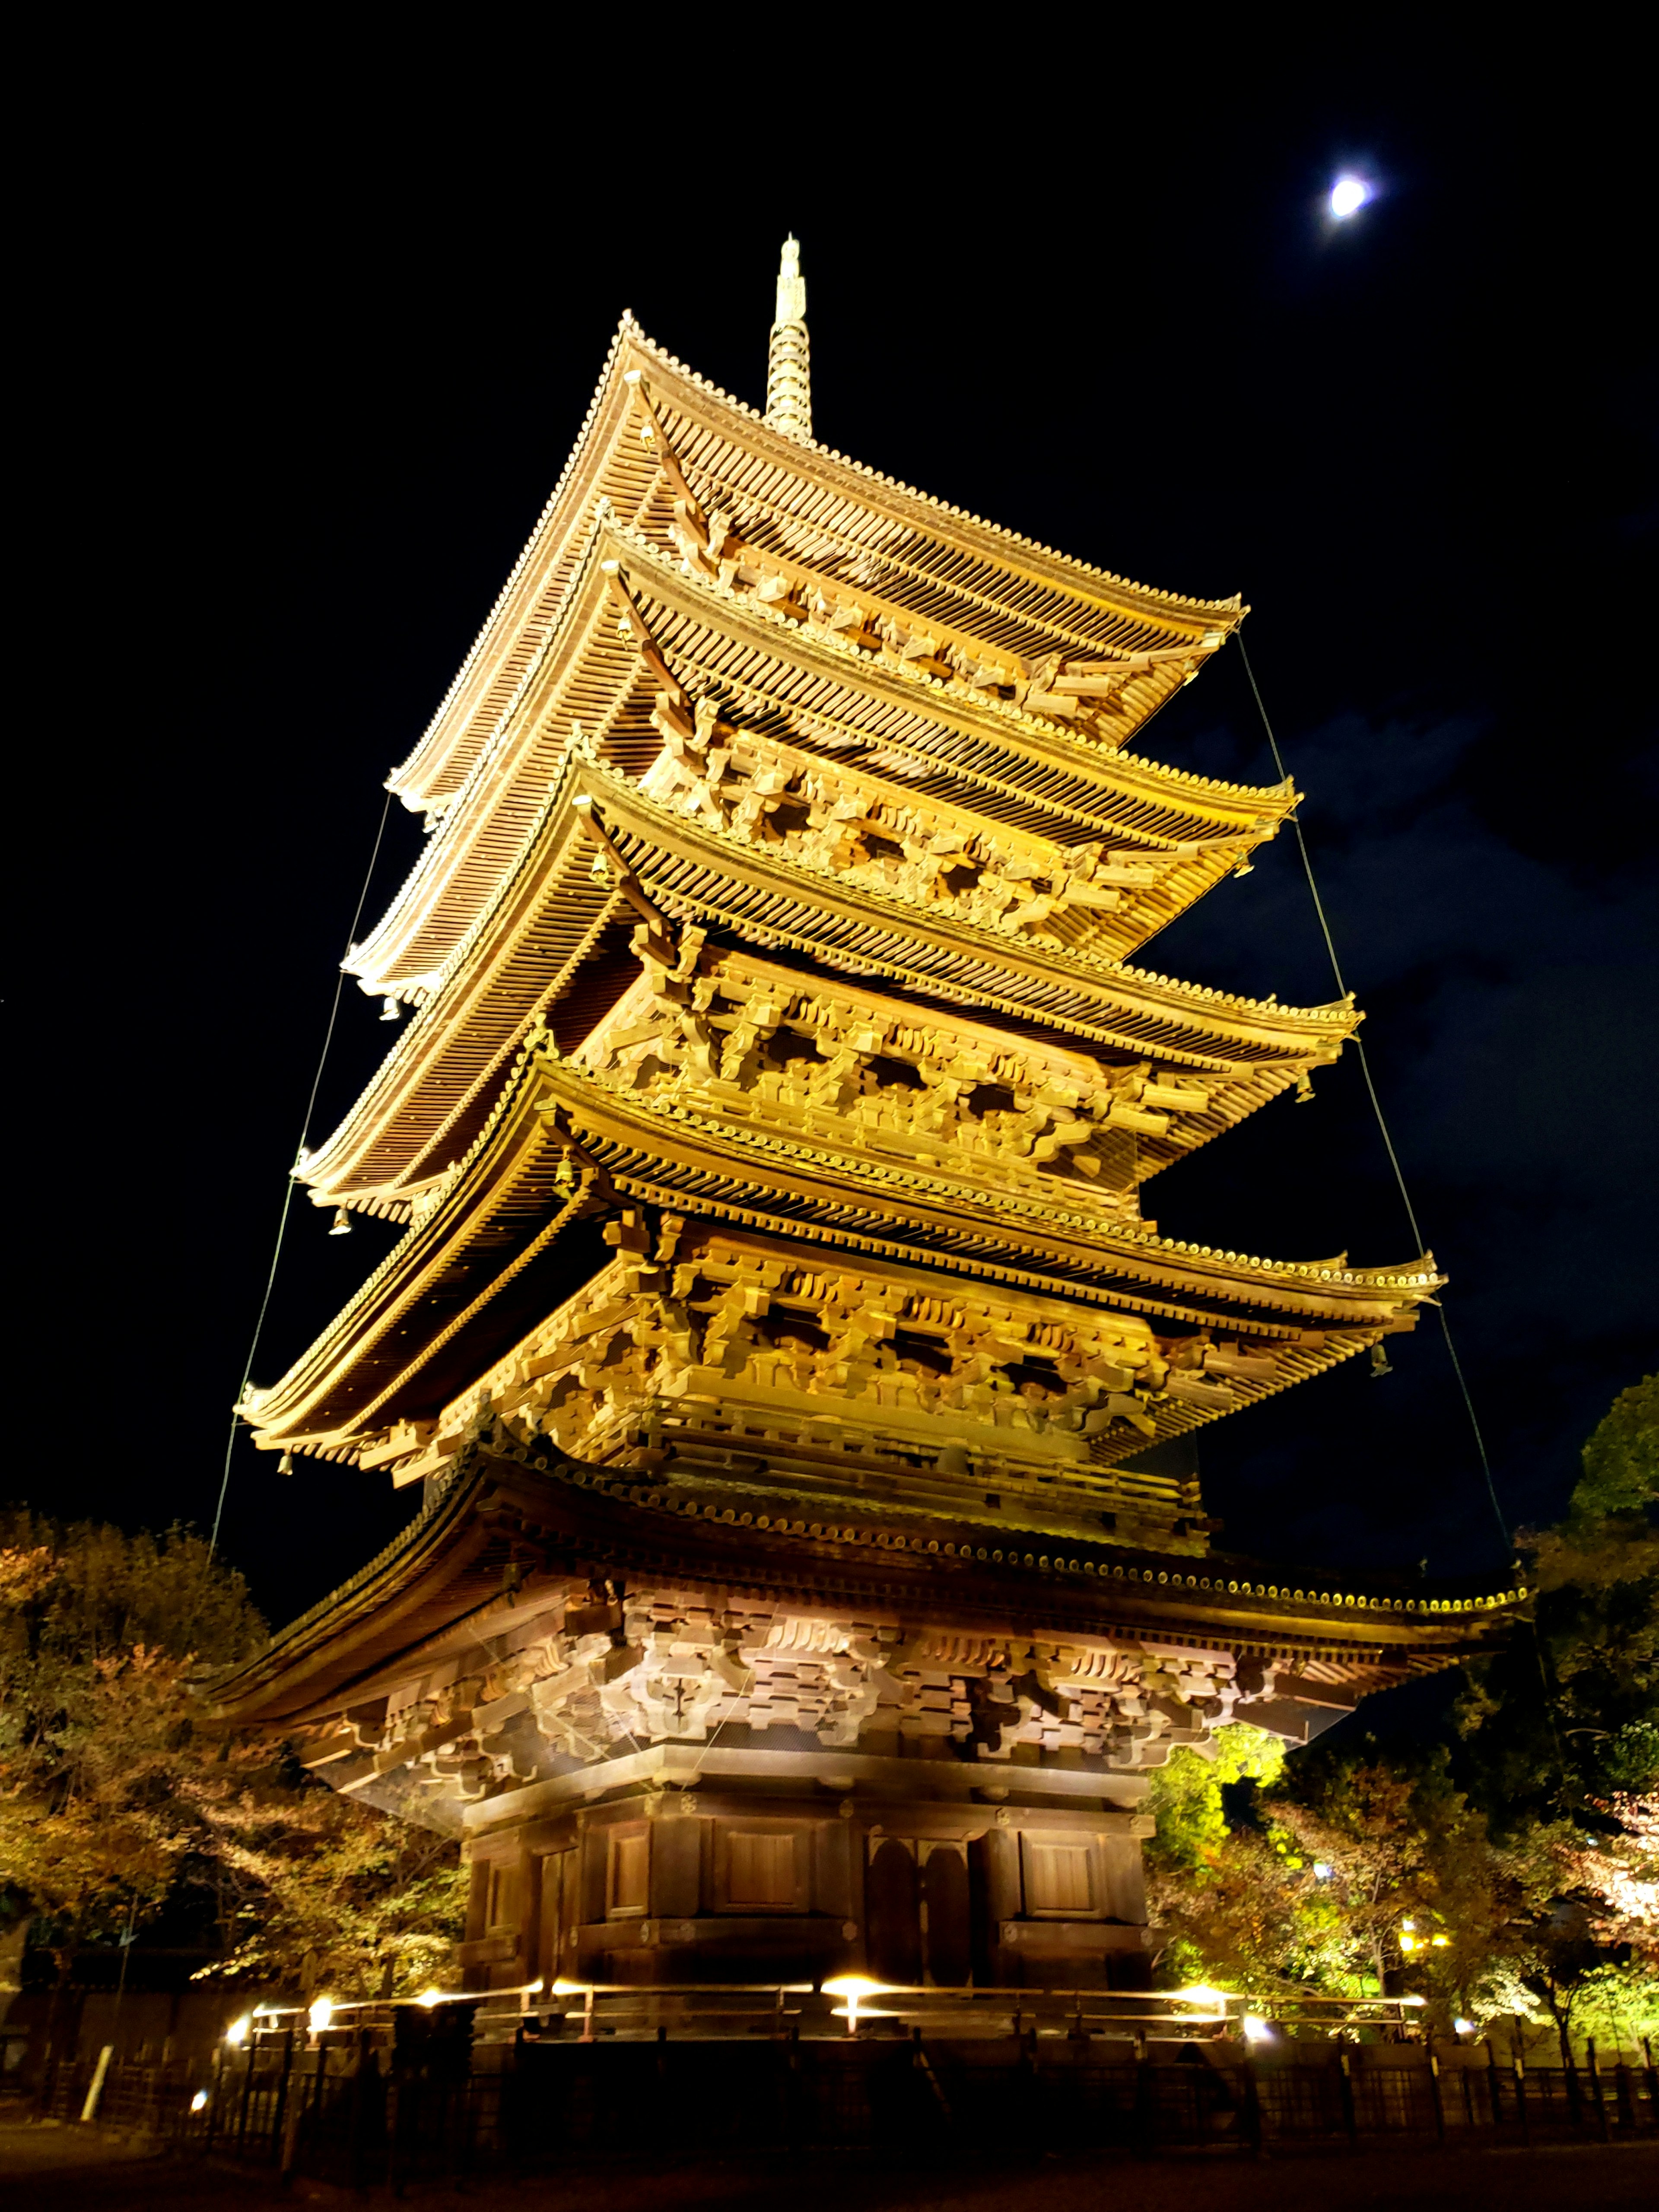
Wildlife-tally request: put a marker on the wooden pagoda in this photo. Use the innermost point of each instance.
(810, 1565)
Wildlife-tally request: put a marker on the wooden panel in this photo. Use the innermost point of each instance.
(627, 1871)
(676, 1869)
(1061, 1882)
(762, 1867)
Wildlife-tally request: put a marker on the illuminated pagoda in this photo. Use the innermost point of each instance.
(811, 1565)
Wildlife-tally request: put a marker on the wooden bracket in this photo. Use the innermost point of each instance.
(586, 809)
(667, 460)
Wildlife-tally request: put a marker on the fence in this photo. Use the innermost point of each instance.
(413, 2099)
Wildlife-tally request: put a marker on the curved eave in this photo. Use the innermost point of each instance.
(526, 947)
(442, 1288)
(830, 917)
(807, 480)
(446, 1573)
(968, 754)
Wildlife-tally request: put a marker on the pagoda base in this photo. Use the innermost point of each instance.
(757, 1867)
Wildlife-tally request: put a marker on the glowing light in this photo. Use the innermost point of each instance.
(239, 2030)
(1348, 195)
(1410, 1926)
(1409, 1942)
(852, 1987)
(430, 1997)
(199, 2102)
(1256, 2031)
(321, 2013)
(1200, 1993)
(1321, 1872)
(1464, 2027)
(1440, 1942)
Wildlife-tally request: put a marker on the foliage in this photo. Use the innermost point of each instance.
(118, 1810)
(1512, 1871)
(1622, 1459)
(1566, 1713)
(1188, 1797)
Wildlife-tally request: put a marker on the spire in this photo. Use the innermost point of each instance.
(788, 366)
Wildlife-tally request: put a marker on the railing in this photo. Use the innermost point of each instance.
(404, 2094)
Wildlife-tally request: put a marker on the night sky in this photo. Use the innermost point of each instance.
(305, 377)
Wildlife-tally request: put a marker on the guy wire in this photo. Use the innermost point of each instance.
(1376, 1103)
(288, 1191)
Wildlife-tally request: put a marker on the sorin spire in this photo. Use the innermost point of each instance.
(788, 362)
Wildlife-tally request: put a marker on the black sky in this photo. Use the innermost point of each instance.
(308, 353)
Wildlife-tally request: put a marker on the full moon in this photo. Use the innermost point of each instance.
(1348, 195)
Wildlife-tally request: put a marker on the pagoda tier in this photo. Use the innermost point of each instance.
(810, 1528)
(704, 1748)
(852, 1173)
(750, 713)
(666, 451)
(557, 946)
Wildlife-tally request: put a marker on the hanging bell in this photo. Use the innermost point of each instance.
(1245, 868)
(342, 1224)
(285, 1465)
(564, 1176)
(391, 1010)
(1304, 1090)
(1380, 1366)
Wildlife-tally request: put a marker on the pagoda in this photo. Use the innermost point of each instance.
(810, 1565)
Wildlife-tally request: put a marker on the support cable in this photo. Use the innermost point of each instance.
(1376, 1103)
(288, 1193)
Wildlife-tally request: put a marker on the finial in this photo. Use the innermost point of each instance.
(792, 285)
(788, 366)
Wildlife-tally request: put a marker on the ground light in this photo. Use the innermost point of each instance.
(199, 2102)
(1348, 196)
(239, 2030)
(852, 1987)
(321, 2013)
(1255, 2030)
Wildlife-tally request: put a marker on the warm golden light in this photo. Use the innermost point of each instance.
(430, 1997)
(852, 1987)
(239, 2030)
(321, 2013)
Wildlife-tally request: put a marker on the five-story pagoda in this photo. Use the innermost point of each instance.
(810, 1565)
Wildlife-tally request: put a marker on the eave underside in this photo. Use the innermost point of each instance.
(500, 1518)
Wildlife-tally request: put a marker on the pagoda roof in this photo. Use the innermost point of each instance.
(527, 952)
(495, 1538)
(798, 498)
(918, 738)
(481, 1264)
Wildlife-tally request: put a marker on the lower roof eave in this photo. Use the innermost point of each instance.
(500, 1516)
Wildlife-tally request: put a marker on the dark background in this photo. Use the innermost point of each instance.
(310, 334)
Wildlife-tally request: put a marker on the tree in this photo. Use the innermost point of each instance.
(116, 1808)
(1513, 1869)
(1565, 1713)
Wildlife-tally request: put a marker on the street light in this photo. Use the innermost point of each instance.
(852, 1987)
